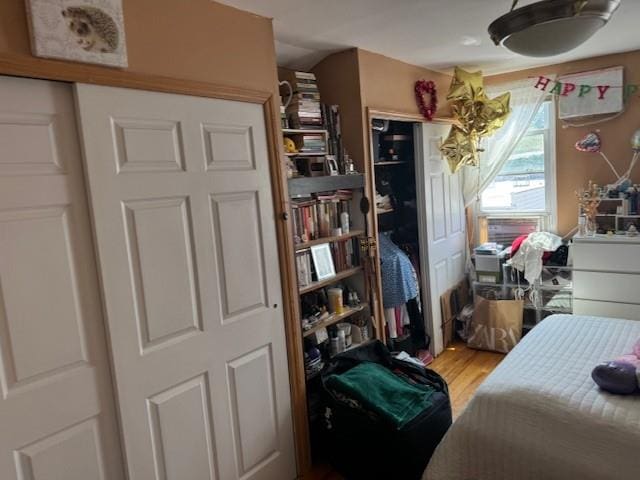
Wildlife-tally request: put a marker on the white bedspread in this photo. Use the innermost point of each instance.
(540, 416)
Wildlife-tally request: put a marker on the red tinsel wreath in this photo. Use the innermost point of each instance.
(422, 88)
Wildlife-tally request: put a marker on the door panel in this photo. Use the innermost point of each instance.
(185, 228)
(442, 224)
(238, 238)
(57, 412)
(180, 413)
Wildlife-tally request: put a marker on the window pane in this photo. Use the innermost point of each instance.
(541, 119)
(520, 185)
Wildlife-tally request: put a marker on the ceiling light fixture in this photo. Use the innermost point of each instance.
(551, 27)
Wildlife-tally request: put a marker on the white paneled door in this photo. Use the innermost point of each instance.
(181, 200)
(57, 418)
(442, 217)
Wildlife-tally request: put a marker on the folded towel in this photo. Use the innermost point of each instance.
(382, 392)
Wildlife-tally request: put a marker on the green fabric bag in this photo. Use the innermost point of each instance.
(382, 392)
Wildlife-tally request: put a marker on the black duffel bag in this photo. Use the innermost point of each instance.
(362, 445)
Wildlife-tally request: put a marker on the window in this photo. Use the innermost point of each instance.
(522, 197)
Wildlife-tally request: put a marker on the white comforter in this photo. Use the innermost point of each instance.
(540, 416)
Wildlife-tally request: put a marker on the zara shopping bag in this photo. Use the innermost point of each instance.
(496, 324)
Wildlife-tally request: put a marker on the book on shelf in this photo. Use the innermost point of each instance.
(303, 267)
(331, 119)
(311, 143)
(304, 110)
(319, 216)
(344, 253)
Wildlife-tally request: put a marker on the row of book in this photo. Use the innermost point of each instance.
(331, 117)
(319, 216)
(304, 109)
(344, 253)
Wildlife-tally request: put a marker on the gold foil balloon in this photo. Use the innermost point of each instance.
(477, 116)
(491, 114)
(459, 149)
(466, 85)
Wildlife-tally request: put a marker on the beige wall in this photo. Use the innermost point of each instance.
(357, 79)
(339, 82)
(388, 84)
(183, 39)
(575, 169)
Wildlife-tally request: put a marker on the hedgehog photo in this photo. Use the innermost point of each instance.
(94, 29)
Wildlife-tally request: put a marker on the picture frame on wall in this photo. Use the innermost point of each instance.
(91, 31)
(323, 261)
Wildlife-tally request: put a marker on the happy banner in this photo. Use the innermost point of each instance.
(565, 89)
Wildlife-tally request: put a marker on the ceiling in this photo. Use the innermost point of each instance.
(436, 34)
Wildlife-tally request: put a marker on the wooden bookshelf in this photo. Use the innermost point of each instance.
(329, 281)
(319, 241)
(335, 318)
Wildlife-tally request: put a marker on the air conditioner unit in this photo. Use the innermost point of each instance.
(574, 106)
(505, 230)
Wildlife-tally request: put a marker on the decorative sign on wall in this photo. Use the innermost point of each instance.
(599, 92)
(90, 31)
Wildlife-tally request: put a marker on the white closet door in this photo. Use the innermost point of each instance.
(442, 217)
(181, 199)
(57, 419)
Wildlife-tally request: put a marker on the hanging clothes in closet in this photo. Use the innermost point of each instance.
(400, 292)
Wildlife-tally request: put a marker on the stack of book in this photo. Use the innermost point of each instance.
(318, 216)
(304, 110)
(312, 143)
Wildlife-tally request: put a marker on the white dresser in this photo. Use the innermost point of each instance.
(606, 276)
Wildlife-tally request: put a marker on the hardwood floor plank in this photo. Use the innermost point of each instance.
(464, 369)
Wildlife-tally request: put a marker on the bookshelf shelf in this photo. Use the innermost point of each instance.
(304, 186)
(318, 241)
(303, 131)
(390, 162)
(307, 154)
(329, 281)
(382, 212)
(335, 318)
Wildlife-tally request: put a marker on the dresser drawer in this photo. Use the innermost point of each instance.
(628, 311)
(612, 287)
(610, 257)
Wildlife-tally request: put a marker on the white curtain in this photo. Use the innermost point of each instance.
(525, 102)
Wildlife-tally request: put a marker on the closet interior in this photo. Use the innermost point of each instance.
(399, 237)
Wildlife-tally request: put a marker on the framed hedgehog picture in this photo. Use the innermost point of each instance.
(90, 31)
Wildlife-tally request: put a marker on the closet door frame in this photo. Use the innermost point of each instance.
(31, 67)
(371, 193)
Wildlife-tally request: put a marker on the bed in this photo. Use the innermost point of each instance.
(540, 416)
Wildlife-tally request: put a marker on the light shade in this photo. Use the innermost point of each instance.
(551, 27)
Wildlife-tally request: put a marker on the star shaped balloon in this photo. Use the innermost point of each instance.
(477, 116)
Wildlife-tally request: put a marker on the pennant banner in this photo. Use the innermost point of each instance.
(566, 89)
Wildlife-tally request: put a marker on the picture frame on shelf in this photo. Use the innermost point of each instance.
(323, 261)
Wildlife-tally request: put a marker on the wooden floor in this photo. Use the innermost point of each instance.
(463, 368)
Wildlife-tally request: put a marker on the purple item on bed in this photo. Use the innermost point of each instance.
(616, 377)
